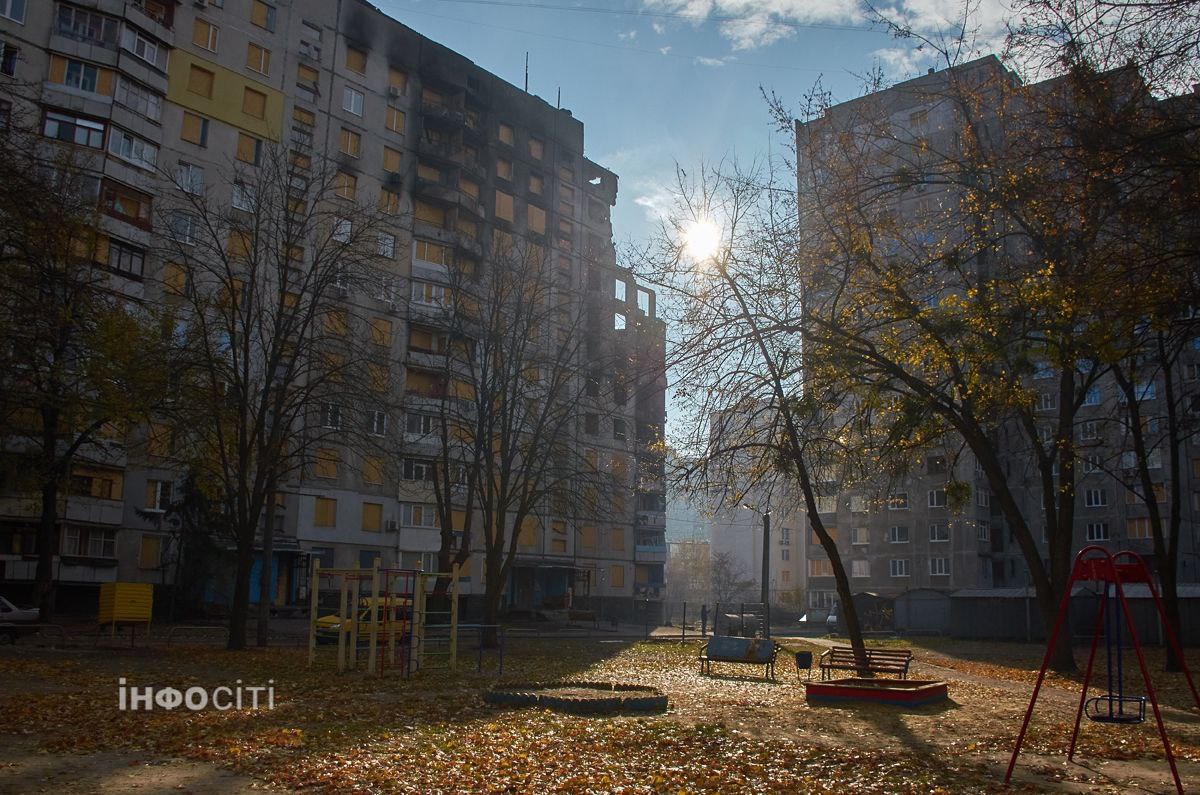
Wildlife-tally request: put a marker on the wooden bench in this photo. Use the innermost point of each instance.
(879, 661)
(731, 649)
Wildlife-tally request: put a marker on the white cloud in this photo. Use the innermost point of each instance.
(628, 35)
(702, 60)
(750, 24)
(658, 28)
(656, 201)
(902, 62)
(665, 50)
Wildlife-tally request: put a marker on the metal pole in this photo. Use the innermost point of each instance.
(312, 611)
(683, 624)
(766, 561)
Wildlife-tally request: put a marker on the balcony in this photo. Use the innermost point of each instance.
(653, 593)
(469, 245)
(442, 116)
(651, 519)
(446, 151)
(438, 191)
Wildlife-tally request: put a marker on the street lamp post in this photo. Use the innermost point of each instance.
(766, 565)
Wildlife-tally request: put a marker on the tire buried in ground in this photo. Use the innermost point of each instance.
(579, 698)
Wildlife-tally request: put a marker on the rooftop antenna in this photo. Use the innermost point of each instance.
(527, 71)
(558, 102)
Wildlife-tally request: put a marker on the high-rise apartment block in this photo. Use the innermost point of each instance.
(165, 95)
(896, 533)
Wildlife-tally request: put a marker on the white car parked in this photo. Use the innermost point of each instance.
(11, 616)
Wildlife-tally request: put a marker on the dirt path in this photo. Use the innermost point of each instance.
(25, 769)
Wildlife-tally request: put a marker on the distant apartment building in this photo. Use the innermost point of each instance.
(147, 88)
(737, 535)
(899, 533)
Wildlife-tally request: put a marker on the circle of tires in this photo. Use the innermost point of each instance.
(623, 698)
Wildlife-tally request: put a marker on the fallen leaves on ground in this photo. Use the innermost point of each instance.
(733, 732)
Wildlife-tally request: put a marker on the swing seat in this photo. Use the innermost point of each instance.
(1112, 708)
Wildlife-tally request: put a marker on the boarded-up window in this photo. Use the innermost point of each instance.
(350, 143)
(395, 119)
(536, 148)
(200, 81)
(239, 244)
(503, 168)
(378, 376)
(391, 160)
(158, 440)
(372, 517)
(262, 14)
(618, 539)
(537, 219)
(306, 74)
(469, 187)
(428, 251)
(194, 129)
(389, 201)
(529, 530)
(356, 60)
(428, 172)
(249, 149)
(587, 538)
(335, 322)
(325, 514)
(429, 213)
(174, 279)
(504, 205)
(254, 103)
(326, 465)
(398, 79)
(381, 331)
(205, 34)
(422, 383)
(345, 185)
(616, 576)
(372, 470)
(150, 552)
(258, 58)
(505, 134)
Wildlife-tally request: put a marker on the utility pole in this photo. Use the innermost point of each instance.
(766, 561)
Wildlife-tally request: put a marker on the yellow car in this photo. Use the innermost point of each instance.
(390, 614)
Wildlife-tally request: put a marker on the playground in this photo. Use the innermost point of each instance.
(729, 731)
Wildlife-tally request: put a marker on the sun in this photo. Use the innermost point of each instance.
(701, 239)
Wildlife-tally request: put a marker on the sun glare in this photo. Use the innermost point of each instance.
(701, 239)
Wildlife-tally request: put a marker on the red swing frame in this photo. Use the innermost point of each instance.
(1096, 564)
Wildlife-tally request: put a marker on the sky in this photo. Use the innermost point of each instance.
(658, 83)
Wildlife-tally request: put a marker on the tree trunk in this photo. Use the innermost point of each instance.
(47, 546)
(1170, 600)
(1062, 658)
(850, 616)
(264, 574)
(491, 608)
(239, 610)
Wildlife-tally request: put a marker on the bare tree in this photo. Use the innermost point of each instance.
(730, 583)
(277, 267)
(506, 384)
(759, 419)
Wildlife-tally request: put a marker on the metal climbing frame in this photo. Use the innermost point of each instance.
(1097, 564)
(390, 606)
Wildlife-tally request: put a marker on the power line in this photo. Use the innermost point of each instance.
(665, 15)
